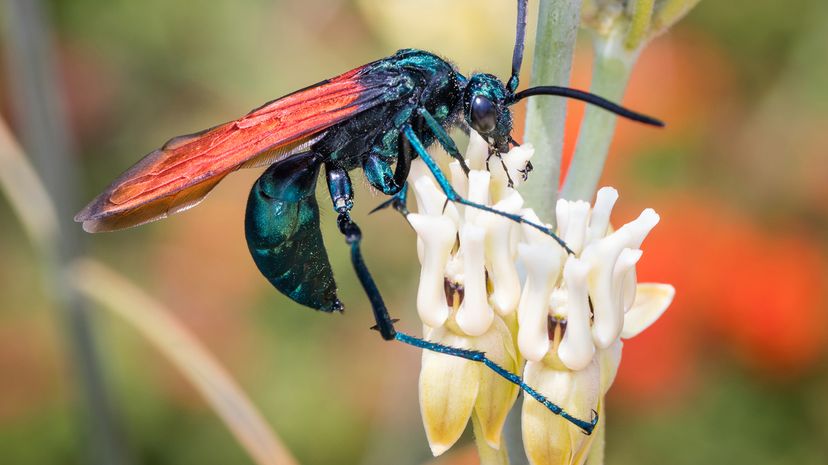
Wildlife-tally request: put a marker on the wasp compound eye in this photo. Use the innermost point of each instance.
(483, 114)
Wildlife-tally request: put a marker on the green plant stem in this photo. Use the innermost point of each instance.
(488, 455)
(558, 22)
(122, 298)
(639, 24)
(40, 117)
(611, 72)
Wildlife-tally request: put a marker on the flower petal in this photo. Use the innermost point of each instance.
(547, 438)
(609, 360)
(448, 391)
(496, 395)
(542, 258)
(651, 300)
(600, 215)
(437, 234)
(474, 317)
(623, 277)
(477, 151)
(430, 199)
(576, 225)
(500, 256)
(515, 161)
(459, 181)
(602, 256)
(576, 349)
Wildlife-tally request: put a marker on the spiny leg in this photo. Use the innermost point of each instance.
(493, 152)
(342, 195)
(509, 180)
(448, 144)
(443, 138)
(477, 356)
(453, 196)
(398, 201)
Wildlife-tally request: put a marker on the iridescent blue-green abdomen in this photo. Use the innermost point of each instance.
(282, 230)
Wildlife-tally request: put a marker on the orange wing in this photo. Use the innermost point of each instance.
(181, 173)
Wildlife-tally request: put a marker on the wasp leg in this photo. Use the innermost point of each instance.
(341, 194)
(449, 146)
(476, 356)
(453, 196)
(397, 201)
(443, 138)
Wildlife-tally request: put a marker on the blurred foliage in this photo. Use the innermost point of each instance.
(736, 372)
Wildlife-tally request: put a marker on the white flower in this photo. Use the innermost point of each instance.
(573, 312)
(591, 291)
(468, 285)
(566, 319)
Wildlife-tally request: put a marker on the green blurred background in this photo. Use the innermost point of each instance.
(735, 372)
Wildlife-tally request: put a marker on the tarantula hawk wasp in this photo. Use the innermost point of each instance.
(377, 117)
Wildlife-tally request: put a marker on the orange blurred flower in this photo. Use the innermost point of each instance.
(758, 295)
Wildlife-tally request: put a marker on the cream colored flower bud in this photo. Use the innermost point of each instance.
(478, 193)
(548, 438)
(543, 260)
(477, 152)
(516, 162)
(513, 166)
(430, 199)
(474, 315)
(599, 217)
(452, 388)
(438, 234)
(576, 349)
(577, 216)
(459, 180)
(500, 257)
(602, 256)
(623, 277)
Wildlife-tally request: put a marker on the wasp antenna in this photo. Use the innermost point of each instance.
(517, 53)
(589, 98)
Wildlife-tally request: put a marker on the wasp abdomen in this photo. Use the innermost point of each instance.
(282, 231)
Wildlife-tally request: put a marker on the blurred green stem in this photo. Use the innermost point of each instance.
(156, 323)
(558, 22)
(611, 70)
(40, 117)
(642, 15)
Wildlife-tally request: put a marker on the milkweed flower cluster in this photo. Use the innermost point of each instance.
(559, 320)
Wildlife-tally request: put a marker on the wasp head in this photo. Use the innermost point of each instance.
(486, 106)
